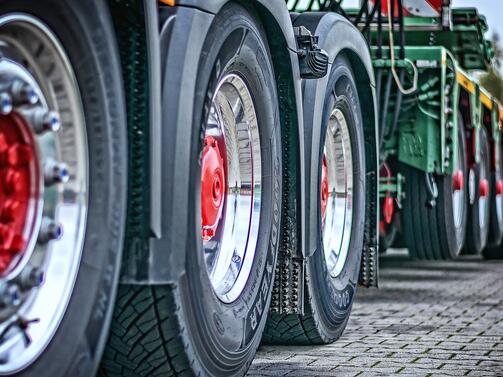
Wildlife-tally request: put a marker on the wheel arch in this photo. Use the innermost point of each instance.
(338, 36)
(185, 26)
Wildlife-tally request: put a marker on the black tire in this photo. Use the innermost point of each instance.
(431, 233)
(496, 207)
(388, 235)
(89, 42)
(478, 227)
(328, 300)
(493, 252)
(494, 249)
(184, 329)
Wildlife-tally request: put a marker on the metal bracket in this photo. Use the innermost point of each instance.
(313, 61)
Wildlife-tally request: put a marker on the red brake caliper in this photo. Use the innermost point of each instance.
(324, 187)
(213, 187)
(16, 183)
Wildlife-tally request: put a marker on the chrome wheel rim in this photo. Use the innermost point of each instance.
(231, 182)
(483, 194)
(337, 217)
(458, 191)
(52, 110)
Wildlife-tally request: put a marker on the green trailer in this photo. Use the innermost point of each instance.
(439, 130)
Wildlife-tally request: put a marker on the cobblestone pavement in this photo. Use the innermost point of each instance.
(426, 319)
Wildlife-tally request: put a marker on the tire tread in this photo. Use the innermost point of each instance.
(145, 336)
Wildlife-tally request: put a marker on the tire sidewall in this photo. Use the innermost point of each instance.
(76, 348)
(479, 235)
(332, 298)
(215, 328)
(456, 243)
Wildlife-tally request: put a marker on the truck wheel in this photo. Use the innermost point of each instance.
(494, 249)
(479, 212)
(436, 233)
(332, 271)
(210, 323)
(63, 170)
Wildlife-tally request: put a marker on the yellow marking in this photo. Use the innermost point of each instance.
(486, 100)
(465, 82)
(168, 2)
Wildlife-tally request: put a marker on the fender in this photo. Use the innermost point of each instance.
(337, 35)
(183, 32)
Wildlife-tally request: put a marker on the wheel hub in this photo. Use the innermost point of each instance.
(324, 187)
(231, 187)
(499, 187)
(338, 211)
(458, 181)
(388, 209)
(388, 206)
(18, 187)
(212, 187)
(484, 188)
(43, 183)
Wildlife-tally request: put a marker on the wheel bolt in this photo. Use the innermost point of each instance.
(23, 93)
(55, 172)
(10, 295)
(30, 277)
(49, 230)
(44, 121)
(5, 104)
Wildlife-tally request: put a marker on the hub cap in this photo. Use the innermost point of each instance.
(483, 193)
(19, 189)
(458, 193)
(231, 180)
(337, 217)
(43, 190)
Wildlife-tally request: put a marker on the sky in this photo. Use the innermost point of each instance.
(492, 9)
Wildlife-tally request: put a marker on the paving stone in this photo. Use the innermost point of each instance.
(426, 319)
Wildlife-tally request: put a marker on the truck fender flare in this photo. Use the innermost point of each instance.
(338, 36)
(185, 27)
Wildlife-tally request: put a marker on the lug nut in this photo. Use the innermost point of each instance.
(30, 277)
(43, 121)
(10, 294)
(23, 93)
(5, 103)
(50, 230)
(55, 172)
